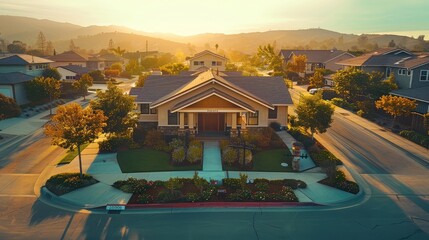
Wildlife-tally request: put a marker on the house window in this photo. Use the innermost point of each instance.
(172, 118)
(409, 72)
(252, 118)
(424, 75)
(213, 63)
(195, 63)
(30, 67)
(144, 108)
(201, 63)
(70, 77)
(401, 71)
(154, 111)
(272, 114)
(219, 63)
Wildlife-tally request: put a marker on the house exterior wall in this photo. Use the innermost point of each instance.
(422, 107)
(416, 77)
(403, 81)
(207, 59)
(16, 91)
(59, 64)
(66, 74)
(163, 109)
(282, 114)
(35, 69)
(331, 64)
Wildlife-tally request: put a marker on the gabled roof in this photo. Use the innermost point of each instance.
(420, 94)
(314, 56)
(110, 57)
(388, 57)
(21, 59)
(14, 78)
(209, 93)
(72, 56)
(203, 79)
(272, 90)
(205, 52)
(76, 69)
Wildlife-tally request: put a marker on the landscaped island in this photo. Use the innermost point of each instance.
(198, 189)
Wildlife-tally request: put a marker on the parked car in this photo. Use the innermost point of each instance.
(313, 90)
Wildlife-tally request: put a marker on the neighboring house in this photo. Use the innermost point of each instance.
(406, 66)
(421, 96)
(411, 73)
(72, 72)
(316, 58)
(13, 85)
(75, 58)
(111, 58)
(207, 60)
(209, 103)
(15, 70)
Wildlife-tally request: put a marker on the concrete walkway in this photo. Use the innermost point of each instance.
(211, 159)
(305, 163)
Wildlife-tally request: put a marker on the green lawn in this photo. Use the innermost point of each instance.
(72, 154)
(148, 160)
(269, 161)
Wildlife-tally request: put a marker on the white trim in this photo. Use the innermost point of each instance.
(420, 100)
(208, 110)
(426, 63)
(411, 78)
(211, 94)
(427, 76)
(197, 55)
(351, 55)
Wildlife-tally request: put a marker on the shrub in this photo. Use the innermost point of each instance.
(286, 194)
(192, 197)
(66, 182)
(155, 140)
(174, 184)
(224, 144)
(260, 196)
(261, 186)
(340, 176)
(114, 143)
(240, 195)
(232, 183)
(176, 143)
(328, 94)
(133, 185)
(343, 104)
(195, 153)
(111, 72)
(275, 126)
(200, 182)
(139, 135)
(229, 156)
(416, 137)
(125, 74)
(144, 198)
(8, 107)
(323, 158)
(294, 184)
(178, 155)
(169, 196)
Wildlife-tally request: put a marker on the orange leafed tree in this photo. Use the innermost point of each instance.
(73, 126)
(396, 106)
(297, 64)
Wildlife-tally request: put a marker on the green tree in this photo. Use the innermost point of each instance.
(8, 107)
(82, 84)
(118, 51)
(317, 79)
(73, 126)
(133, 67)
(314, 114)
(396, 106)
(116, 66)
(118, 107)
(42, 88)
(41, 42)
(16, 47)
(52, 88)
(297, 64)
(142, 78)
(173, 68)
(51, 73)
(97, 76)
(352, 83)
(269, 57)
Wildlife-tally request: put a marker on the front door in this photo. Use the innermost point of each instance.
(211, 122)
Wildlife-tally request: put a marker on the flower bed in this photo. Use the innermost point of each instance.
(66, 182)
(197, 189)
(340, 182)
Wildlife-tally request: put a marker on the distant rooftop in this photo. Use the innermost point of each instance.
(21, 59)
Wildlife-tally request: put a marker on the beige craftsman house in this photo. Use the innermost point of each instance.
(210, 103)
(207, 60)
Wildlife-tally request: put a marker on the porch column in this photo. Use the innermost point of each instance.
(233, 132)
(191, 120)
(243, 121)
(234, 121)
(181, 120)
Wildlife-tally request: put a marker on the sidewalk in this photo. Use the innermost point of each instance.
(105, 168)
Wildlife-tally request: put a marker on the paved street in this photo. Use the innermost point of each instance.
(393, 174)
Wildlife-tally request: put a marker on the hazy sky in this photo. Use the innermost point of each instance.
(231, 16)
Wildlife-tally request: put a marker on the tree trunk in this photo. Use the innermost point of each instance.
(80, 161)
(84, 95)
